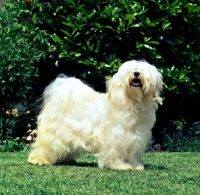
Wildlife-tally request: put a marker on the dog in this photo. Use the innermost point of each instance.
(114, 126)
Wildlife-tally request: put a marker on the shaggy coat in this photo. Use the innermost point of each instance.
(115, 126)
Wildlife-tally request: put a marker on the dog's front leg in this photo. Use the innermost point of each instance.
(135, 161)
(111, 159)
(114, 164)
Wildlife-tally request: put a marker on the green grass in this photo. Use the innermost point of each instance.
(166, 173)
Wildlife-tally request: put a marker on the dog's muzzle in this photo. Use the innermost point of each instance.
(136, 81)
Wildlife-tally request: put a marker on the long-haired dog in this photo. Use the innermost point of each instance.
(115, 126)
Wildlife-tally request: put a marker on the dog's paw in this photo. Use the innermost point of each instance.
(36, 161)
(139, 167)
(124, 166)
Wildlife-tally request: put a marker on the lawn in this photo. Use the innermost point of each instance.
(166, 173)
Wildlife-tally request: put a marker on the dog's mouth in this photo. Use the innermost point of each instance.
(136, 83)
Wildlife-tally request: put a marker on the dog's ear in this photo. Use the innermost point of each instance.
(159, 82)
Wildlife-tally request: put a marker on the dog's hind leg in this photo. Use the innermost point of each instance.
(49, 148)
(40, 156)
(47, 153)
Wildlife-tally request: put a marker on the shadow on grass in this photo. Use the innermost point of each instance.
(86, 164)
(95, 165)
(79, 164)
(154, 167)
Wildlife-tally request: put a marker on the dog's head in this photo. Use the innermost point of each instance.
(135, 80)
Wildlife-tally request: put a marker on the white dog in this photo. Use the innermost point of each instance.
(115, 126)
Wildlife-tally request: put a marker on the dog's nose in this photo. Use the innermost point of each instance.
(136, 74)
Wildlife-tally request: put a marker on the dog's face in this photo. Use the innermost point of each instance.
(136, 80)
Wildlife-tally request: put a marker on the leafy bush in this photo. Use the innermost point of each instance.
(91, 38)
(22, 45)
(12, 145)
(184, 138)
(20, 131)
(101, 33)
(20, 124)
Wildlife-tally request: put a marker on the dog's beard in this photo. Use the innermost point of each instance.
(135, 88)
(136, 93)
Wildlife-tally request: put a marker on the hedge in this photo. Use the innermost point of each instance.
(91, 38)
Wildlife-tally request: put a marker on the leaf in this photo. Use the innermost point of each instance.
(90, 15)
(78, 54)
(109, 27)
(131, 19)
(66, 32)
(40, 8)
(135, 25)
(153, 42)
(121, 23)
(146, 39)
(107, 65)
(34, 19)
(165, 25)
(139, 45)
(97, 25)
(147, 46)
(10, 67)
(56, 38)
(174, 3)
(72, 53)
(68, 24)
(172, 68)
(147, 20)
(72, 2)
(102, 64)
(59, 8)
(158, 56)
(23, 11)
(63, 54)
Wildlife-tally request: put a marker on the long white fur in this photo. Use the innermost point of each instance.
(115, 126)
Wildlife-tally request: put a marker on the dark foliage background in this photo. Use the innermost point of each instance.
(90, 40)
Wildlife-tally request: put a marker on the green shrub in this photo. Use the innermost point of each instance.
(20, 130)
(183, 138)
(101, 33)
(91, 38)
(12, 145)
(22, 45)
